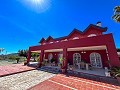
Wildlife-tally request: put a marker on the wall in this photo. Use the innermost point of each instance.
(85, 56)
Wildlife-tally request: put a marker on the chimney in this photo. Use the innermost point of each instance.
(99, 24)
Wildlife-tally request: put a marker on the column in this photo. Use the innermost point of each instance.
(28, 56)
(65, 60)
(41, 58)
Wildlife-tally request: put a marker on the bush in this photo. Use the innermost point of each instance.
(115, 71)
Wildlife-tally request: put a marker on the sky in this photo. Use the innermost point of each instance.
(24, 22)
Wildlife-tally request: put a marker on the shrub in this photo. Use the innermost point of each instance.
(115, 71)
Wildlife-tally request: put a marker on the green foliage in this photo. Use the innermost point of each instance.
(118, 49)
(115, 71)
(23, 53)
(12, 57)
(34, 55)
(116, 15)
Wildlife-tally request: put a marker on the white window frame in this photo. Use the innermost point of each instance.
(91, 35)
(93, 53)
(75, 38)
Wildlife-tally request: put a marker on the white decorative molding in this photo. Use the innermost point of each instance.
(91, 35)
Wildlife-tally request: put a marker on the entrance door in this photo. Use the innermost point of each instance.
(76, 59)
(95, 59)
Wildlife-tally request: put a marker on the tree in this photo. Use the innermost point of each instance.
(34, 55)
(1, 50)
(23, 53)
(118, 49)
(116, 15)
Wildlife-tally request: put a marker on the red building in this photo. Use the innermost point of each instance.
(90, 46)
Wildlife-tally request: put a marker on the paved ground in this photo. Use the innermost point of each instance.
(14, 68)
(63, 82)
(8, 62)
(23, 81)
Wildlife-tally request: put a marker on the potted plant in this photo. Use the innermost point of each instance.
(115, 71)
(25, 63)
(63, 65)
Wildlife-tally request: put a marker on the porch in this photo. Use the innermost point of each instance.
(57, 69)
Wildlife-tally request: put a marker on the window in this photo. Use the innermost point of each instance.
(95, 59)
(92, 35)
(76, 58)
(64, 40)
(51, 42)
(75, 38)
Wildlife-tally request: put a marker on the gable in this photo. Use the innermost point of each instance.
(94, 30)
(42, 40)
(49, 39)
(75, 34)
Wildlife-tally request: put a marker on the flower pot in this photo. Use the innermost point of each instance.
(118, 78)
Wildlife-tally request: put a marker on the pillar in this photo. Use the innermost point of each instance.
(65, 60)
(41, 58)
(28, 56)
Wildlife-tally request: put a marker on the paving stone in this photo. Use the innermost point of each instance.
(23, 81)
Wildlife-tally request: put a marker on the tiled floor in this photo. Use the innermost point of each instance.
(14, 68)
(63, 82)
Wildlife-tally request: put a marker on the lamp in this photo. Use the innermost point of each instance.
(83, 51)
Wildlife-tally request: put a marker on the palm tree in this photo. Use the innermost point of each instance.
(116, 15)
(1, 50)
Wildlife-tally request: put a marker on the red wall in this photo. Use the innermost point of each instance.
(85, 56)
(106, 40)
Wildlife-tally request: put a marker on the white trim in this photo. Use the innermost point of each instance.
(77, 57)
(95, 59)
(75, 38)
(91, 35)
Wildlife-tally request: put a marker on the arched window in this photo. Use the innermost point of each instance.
(92, 35)
(75, 38)
(95, 59)
(76, 58)
(50, 56)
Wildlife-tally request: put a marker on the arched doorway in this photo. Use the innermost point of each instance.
(76, 59)
(50, 56)
(95, 60)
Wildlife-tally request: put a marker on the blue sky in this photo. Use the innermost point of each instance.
(23, 24)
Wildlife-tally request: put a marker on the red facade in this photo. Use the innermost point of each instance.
(91, 46)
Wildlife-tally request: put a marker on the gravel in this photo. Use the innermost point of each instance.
(23, 81)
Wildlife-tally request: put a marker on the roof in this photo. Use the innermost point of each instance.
(49, 38)
(102, 29)
(41, 40)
